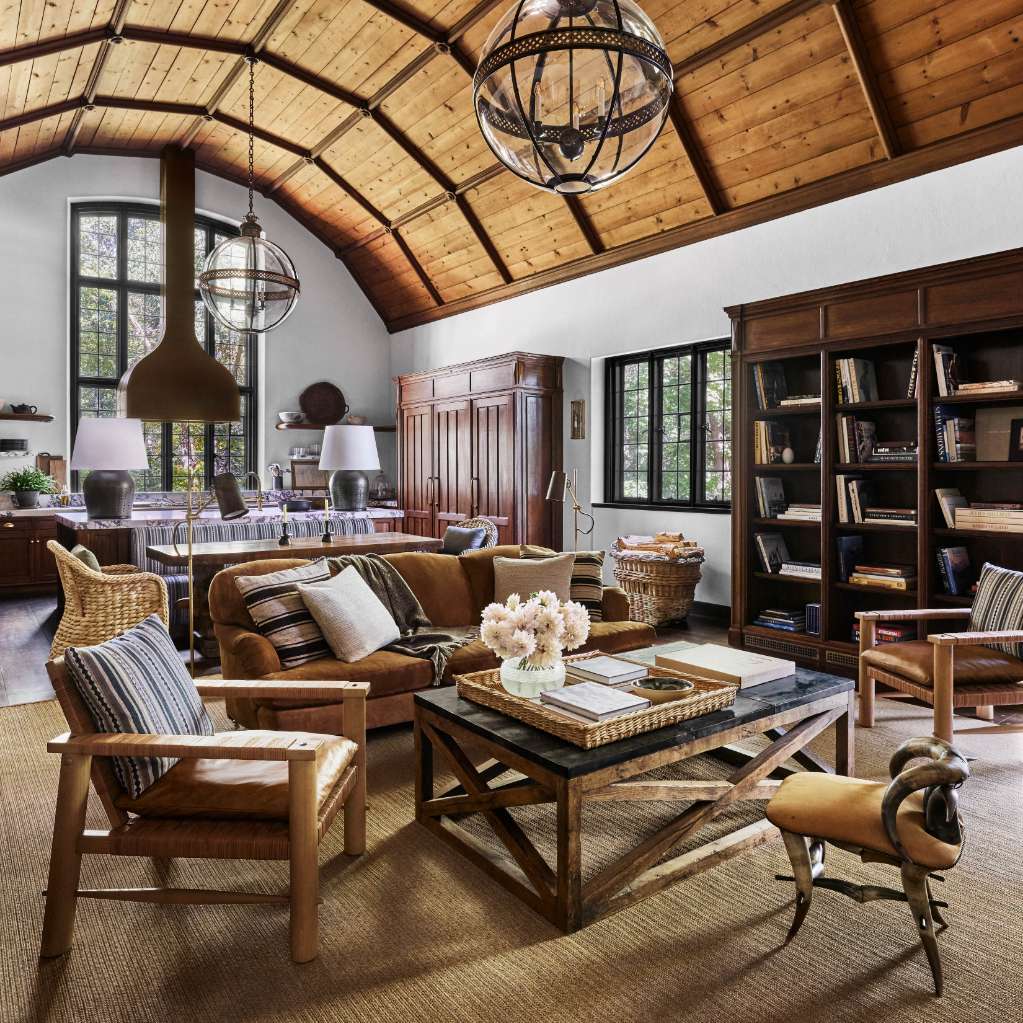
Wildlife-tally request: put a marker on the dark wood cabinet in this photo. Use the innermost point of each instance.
(481, 439)
(25, 563)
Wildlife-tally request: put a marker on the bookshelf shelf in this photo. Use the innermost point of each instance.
(779, 578)
(974, 466)
(887, 590)
(788, 410)
(767, 470)
(848, 467)
(991, 534)
(869, 406)
(783, 523)
(1011, 397)
(874, 527)
(802, 637)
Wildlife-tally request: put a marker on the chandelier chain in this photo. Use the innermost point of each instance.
(252, 124)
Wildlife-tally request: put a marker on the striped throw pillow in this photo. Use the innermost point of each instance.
(280, 613)
(587, 587)
(136, 682)
(998, 605)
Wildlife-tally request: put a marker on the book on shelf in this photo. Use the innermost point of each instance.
(769, 384)
(856, 439)
(770, 439)
(781, 620)
(993, 527)
(984, 518)
(740, 667)
(770, 496)
(801, 569)
(949, 499)
(593, 701)
(990, 387)
(812, 614)
(895, 451)
(906, 516)
(945, 370)
(993, 429)
(861, 496)
(611, 671)
(892, 571)
(848, 549)
(772, 551)
(881, 581)
(800, 399)
(803, 512)
(857, 381)
(954, 566)
(844, 505)
(956, 435)
(889, 632)
(912, 391)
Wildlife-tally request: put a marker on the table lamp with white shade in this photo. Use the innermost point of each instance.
(350, 452)
(111, 449)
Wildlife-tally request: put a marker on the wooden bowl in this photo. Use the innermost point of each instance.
(663, 690)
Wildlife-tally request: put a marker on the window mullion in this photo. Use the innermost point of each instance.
(655, 412)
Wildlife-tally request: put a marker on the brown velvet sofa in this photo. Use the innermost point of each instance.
(452, 590)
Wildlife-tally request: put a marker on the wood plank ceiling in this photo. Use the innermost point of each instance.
(367, 135)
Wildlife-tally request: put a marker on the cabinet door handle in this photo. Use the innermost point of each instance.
(8, 525)
(429, 491)
(474, 497)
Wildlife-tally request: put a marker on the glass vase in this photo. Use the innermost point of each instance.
(531, 682)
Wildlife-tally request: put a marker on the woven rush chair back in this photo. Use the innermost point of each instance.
(101, 605)
(79, 722)
(491, 530)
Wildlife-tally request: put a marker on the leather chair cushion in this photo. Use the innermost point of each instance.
(914, 661)
(849, 810)
(252, 789)
(439, 583)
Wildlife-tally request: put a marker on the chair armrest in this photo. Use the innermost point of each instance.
(236, 746)
(920, 615)
(976, 638)
(281, 689)
(615, 604)
(246, 654)
(119, 569)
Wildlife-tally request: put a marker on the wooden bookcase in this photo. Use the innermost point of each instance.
(975, 306)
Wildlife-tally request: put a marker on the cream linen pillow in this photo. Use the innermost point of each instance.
(353, 620)
(525, 576)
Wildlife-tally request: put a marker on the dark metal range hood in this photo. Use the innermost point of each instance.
(178, 381)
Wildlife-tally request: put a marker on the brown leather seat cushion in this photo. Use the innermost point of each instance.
(849, 810)
(914, 661)
(256, 789)
(474, 656)
(440, 584)
(387, 672)
(618, 637)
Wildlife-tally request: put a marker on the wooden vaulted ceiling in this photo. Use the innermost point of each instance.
(366, 132)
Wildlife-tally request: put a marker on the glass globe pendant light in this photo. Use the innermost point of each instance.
(570, 94)
(247, 283)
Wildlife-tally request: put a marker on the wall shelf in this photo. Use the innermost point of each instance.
(24, 417)
(321, 427)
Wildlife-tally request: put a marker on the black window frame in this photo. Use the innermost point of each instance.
(122, 285)
(614, 495)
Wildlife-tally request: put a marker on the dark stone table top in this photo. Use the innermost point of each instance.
(564, 759)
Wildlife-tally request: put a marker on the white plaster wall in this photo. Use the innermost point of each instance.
(334, 334)
(678, 297)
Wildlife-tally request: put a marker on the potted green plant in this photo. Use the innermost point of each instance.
(27, 485)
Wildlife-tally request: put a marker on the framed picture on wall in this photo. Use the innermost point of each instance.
(307, 475)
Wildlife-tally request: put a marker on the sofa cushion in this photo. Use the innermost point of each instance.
(440, 584)
(386, 671)
(998, 606)
(459, 539)
(525, 576)
(136, 682)
(280, 613)
(253, 789)
(352, 617)
(478, 567)
(474, 656)
(914, 661)
(849, 810)
(618, 637)
(227, 606)
(587, 586)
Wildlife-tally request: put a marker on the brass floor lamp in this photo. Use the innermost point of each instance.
(562, 487)
(192, 512)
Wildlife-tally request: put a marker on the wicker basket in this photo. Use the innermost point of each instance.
(659, 591)
(707, 695)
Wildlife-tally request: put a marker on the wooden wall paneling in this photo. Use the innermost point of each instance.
(493, 462)
(452, 468)
(417, 475)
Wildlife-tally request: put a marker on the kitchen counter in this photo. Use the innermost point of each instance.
(77, 518)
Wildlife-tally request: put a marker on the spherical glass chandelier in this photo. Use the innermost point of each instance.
(570, 94)
(247, 283)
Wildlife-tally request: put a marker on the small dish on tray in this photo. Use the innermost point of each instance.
(661, 690)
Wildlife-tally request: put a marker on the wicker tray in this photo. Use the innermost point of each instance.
(709, 695)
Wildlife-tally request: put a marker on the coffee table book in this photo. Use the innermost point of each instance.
(738, 667)
(593, 701)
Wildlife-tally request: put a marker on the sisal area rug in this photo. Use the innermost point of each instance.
(412, 932)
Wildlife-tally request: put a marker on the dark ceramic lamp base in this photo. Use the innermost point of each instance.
(349, 490)
(109, 494)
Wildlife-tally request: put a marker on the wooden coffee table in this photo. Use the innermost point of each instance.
(790, 711)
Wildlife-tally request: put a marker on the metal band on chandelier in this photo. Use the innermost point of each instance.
(570, 94)
(248, 283)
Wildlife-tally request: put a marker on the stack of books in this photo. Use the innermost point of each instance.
(739, 667)
(770, 496)
(945, 370)
(956, 435)
(895, 451)
(782, 621)
(855, 381)
(769, 384)
(802, 512)
(895, 516)
(800, 399)
(856, 439)
(592, 701)
(609, 671)
(994, 517)
(769, 441)
(889, 577)
(954, 566)
(887, 632)
(950, 500)
(801, 569)
(989, 387)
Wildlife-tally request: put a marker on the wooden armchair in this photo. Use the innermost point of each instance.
(912, 823)
(947, 670)
(100, 605)
(302, 780)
